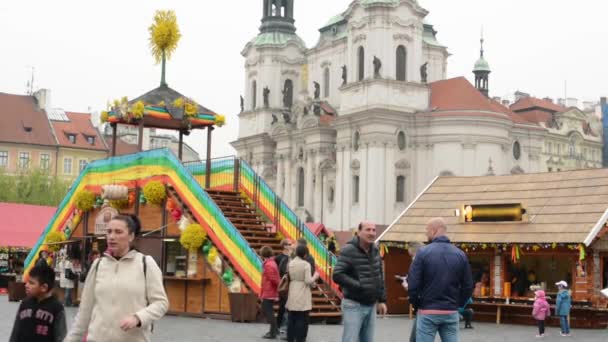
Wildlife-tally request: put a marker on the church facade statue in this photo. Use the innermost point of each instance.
(288, 94)
(423, 72)
(377, 67)
(266, 94)
(344, 75)
(317, 90)
(242, 104)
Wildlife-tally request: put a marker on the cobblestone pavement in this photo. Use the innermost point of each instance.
(395, 329)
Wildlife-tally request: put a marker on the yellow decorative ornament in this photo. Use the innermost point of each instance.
(554, 245)
(54, 238)
(105, 116)
(124, 100)
(220, 120)
(191, 109)
(155, 192)
(161, 104)
(164, 35)
(120, 204)
(536, 248)
(116, 103)
(137, 110)
(212, 255)
(85, 200)
(178, 102)
(193, 237)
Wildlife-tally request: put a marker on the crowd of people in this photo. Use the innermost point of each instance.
(123, 292)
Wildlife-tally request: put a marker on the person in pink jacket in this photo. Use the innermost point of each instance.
(270, 290)
(540, 311)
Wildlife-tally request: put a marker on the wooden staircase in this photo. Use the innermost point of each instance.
(326, 305)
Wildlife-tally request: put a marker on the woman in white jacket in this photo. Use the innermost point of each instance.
(123, 293)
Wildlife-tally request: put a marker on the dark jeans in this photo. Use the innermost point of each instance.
(268, 310)
(297, 328)
(467, 314)
(282, 310)
(541, 327)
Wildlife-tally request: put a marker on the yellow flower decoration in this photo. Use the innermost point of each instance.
(212, 255)
(161, 104)
(124, 100)
(120, 204)
(536, 248)
(54, 237)
(191, 109)
(116, 103)
(105, 116)
(220, 120)
(164, 35)
(193, 237)
(155, 192)
(137, 110)
(85, 200)
(178, 103)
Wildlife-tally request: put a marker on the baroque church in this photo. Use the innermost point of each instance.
(356, 126)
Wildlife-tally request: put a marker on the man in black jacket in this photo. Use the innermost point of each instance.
(359, 274)
(439, 282)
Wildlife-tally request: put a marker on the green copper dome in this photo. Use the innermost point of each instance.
(482, 65)
(277, 39)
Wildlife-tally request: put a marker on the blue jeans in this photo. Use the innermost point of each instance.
(563, 323)
(359, 321)
(427, 327)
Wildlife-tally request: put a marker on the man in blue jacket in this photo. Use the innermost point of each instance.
(440, 282)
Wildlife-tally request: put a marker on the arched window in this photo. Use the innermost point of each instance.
(326, 84)
(400, 196)
(355, 189)
(401, 63)
(254, 95)
(288, 93)
(361, 63)
(300, 187)
(401, 143)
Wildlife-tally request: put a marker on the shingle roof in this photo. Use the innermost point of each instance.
(529, 103)
(81, 126)
(23, 122)
(562, 207)
(122, 147)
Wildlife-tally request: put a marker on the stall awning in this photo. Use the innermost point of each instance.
(562, 207)
(22, 224)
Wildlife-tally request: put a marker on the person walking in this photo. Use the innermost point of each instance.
(270, 290)
(299, 301)
(563, 304)
(440, 282)
(359, 274)
(412, 250)
(285, 255)
(540, 311)
(123, 293)
(467, 314)
(67, 277)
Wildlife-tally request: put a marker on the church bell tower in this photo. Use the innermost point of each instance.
(278, 16)
(482, 73)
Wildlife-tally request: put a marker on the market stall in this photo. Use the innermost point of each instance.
(521, 233)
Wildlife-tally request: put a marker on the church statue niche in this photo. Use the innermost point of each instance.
(242, 104)
(344, 75)
(377, 67)
(317, 90)
(274, 119)
(288, 94)
(266, 94)
(423, 72)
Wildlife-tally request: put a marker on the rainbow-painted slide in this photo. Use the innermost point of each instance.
(161, 164)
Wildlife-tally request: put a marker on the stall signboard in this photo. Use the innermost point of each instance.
(103, 219)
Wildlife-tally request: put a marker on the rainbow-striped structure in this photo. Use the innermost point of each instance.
(276, 211)
(140, 168)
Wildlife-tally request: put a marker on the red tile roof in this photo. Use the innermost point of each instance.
(81, 126)
(122, 147)
(22, 224)
(538, 116)
(457, 96)
(529, 103)
(21, 121)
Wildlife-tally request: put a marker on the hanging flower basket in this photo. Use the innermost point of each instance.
(54, 238)
(155, 192)
(193, 237)
(120, 204)
(85, 200)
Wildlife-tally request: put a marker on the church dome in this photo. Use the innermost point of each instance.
(482, 65)
(374, 2)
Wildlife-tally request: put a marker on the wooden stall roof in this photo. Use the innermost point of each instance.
(562, 207)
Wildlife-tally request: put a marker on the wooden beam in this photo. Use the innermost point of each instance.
(180, 148)
(208, 165)
(114, 139)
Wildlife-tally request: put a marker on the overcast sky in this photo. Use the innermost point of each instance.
(89, 52)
